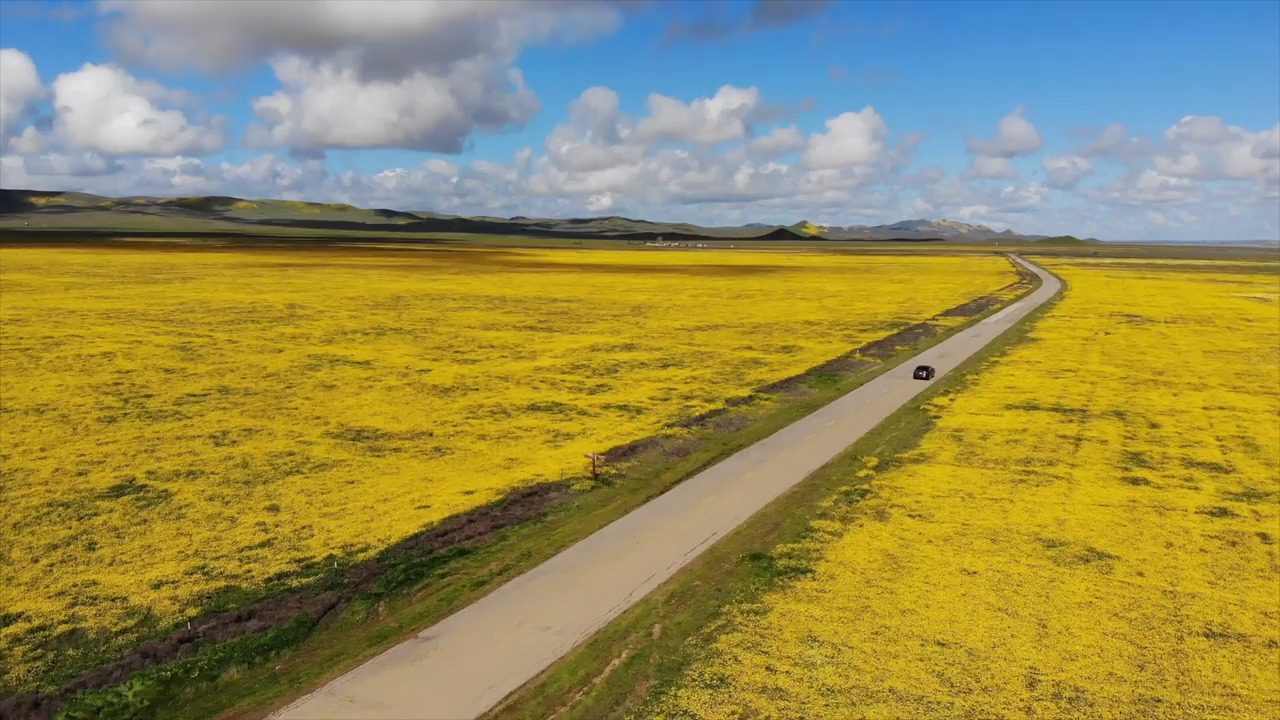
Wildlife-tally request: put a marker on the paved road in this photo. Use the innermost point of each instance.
(470, 661)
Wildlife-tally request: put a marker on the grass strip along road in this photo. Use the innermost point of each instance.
(466, 664)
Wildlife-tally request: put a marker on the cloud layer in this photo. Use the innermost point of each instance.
(434, 78)
(424, 76)
(19, 86)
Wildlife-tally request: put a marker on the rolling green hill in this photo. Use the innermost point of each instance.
(37, 211)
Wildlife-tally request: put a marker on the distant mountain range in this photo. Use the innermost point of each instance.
(920, 230)
(944, 229)
(37, 211)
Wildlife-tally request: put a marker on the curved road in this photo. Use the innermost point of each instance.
(470, 661)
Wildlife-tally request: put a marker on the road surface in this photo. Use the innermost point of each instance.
(467, 663)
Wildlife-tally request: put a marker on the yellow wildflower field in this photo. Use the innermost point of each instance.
(1089, 530)
(173, 422)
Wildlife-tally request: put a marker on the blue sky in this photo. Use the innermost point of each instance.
(372, 102)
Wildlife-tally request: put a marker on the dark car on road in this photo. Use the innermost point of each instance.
(924, 372)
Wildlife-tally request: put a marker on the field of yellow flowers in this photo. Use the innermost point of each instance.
(1088, 530)
(175, 422)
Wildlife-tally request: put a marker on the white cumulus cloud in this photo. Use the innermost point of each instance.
(721, 118)
(780, 141)
(326, 105)
(852, 138)
(19, 86)
(600, 202)
(1206, 148)
(364, 73)
(105, 109)
(29, 142)
(1149, 187)
(382, 38)
(597, 137)
(1065, 171)
(1015, 135)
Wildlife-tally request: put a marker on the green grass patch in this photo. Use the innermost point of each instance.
(147, 694)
